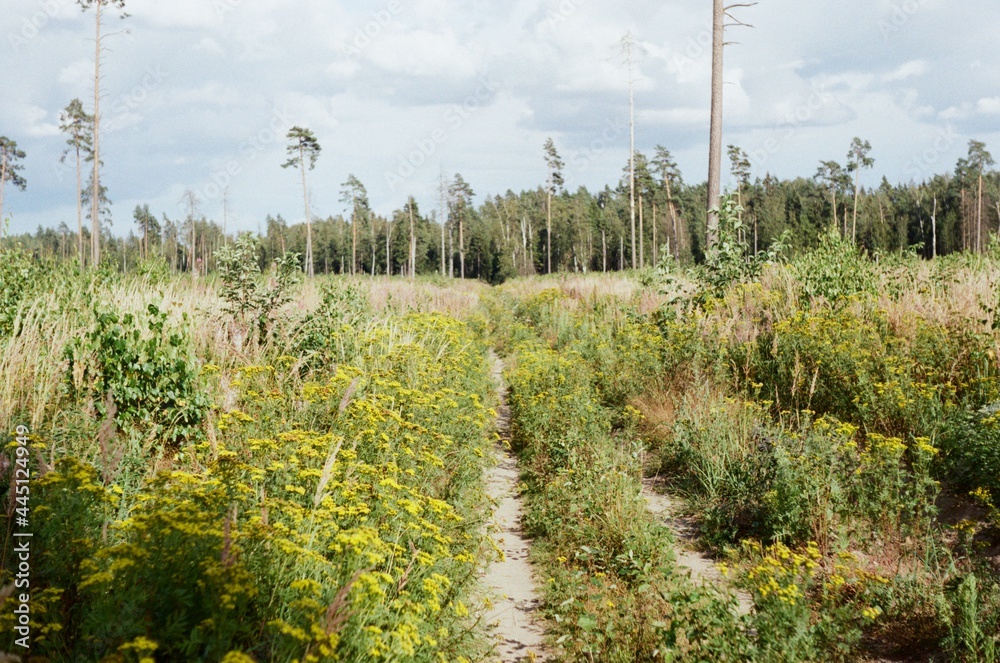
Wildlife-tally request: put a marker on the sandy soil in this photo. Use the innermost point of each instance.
(702, 567)
(518, 630)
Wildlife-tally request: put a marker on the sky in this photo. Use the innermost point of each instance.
(198, 95)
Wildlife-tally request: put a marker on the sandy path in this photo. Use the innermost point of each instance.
(518, 631)
(702, 567)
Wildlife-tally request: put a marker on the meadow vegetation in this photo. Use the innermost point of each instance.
(251, 468)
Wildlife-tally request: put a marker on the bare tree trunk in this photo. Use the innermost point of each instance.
(979, 214)
(95, 190)
(388, 254)
(833, 202)
(655, 253)
(548, 229)
(715, 133)
(965, 224)
(531, 247)
(631, 150)
(524, 247)
(673, 216)
(934, 230)
(604, 251)
(79, 207)
(305, 198)
(857, 193)
(413, 245)
(642, 236)
(194, 246)
(354, 242)
(461, 246)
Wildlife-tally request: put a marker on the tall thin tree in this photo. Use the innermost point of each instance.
(79, 126)
(833, 174)
(857, 158)
(354, 194)
(628, 43)
(720, 12)
(554, 183)
(96, 192)
(10, 171)
(976, 162)
(413, 239)
(460, 194)
(670, 174)
(303, 147)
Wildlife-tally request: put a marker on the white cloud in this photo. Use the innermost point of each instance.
(209, 45)
(800, 84)
(906, 71)
(988, 106)
(33, 118)
(424, 54)
(674, 116)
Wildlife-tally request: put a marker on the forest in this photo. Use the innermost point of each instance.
(507, 235)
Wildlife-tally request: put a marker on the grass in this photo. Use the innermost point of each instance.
(316, 493)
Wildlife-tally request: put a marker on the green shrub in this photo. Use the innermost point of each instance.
(20, 275)
(248, 299)
(146, 369)
(732, 259)
(326, 335)
(836, 271)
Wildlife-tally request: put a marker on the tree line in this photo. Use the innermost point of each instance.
(554, 229)
(649, 214)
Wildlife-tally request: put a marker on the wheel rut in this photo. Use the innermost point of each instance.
(702, 567)
(513, 616)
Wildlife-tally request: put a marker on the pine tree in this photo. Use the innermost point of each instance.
(79, 126)
(302, 148)
(10, 170)
(555, 183)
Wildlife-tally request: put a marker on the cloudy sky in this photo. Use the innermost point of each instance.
(199, 94)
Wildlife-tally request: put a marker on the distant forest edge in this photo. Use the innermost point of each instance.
(507, 235)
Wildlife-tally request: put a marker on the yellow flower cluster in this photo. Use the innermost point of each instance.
(782, 572)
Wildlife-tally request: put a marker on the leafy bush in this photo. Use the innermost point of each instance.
(248, 299)
(835, 271)
(19, 276)
(148, 371)
(731, 259)
(325, 335)
(802, 612)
